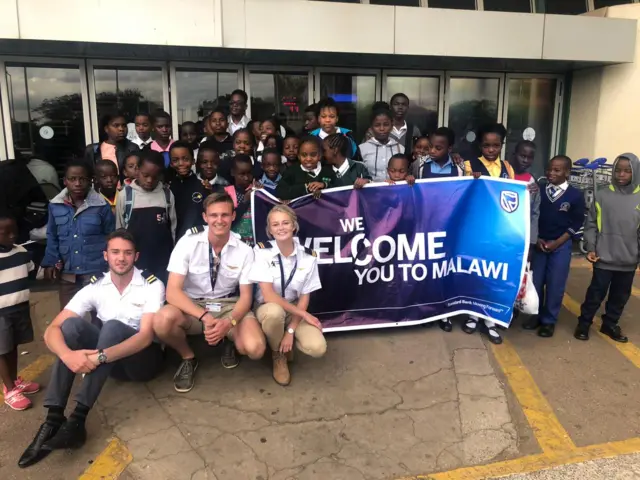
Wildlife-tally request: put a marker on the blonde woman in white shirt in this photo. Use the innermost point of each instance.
(286, 273)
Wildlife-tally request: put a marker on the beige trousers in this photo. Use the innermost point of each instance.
(273, 318)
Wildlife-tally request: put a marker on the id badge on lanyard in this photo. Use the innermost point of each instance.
(284, 285)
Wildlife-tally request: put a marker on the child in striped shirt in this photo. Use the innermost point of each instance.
(15, 319)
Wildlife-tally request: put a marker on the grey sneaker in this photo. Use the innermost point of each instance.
(230, 357)
(183, 379)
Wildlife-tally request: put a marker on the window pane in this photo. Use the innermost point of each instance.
(457, 4)
(285, 95)
(200, 92)
(355, 95)
(400, 3)
(127, 90)
(473, 102)
(609, 3)
(45, 105)
(508, 5)
(423, 99)
(566, 7)
(530, 115)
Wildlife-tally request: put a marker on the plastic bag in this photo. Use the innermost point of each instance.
(527, 300)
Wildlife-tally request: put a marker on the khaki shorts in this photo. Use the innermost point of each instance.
(196, 327)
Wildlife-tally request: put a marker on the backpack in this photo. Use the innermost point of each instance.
(128, 203)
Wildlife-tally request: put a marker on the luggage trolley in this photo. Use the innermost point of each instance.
(588, 177)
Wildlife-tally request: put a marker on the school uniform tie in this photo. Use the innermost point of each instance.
(553, 191)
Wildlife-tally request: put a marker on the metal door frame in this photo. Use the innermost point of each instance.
(418, 73)
(557, 112)
(277, 69)
(40, 62)
(127, 65)
(202, 67)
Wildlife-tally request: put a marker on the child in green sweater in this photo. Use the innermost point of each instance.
(348, 172)
(308, 177)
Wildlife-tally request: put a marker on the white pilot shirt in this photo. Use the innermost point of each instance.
(190, 258)
(266, 268)
(139, 297)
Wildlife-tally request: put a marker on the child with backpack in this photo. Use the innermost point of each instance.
(147, 209)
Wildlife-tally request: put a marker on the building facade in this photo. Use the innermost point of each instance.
(560, 72)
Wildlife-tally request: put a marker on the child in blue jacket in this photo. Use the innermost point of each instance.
(79, 221)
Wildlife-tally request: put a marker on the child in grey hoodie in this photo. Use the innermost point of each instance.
(612, 240)
(377, 151)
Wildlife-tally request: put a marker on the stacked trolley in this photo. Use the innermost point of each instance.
(588, 177)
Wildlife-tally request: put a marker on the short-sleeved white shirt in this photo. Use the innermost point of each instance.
(266, 268)
(141, 296)
(190, 258)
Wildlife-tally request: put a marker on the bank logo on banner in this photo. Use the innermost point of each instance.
(509, 201)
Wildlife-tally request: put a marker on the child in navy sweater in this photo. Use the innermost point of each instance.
(562, 211)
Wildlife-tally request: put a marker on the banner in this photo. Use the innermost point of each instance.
(395, 255)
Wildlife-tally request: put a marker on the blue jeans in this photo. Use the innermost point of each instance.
(79, 334)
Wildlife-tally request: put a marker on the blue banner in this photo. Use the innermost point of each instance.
(394, 255)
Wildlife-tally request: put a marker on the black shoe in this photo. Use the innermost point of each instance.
(531, 323)
(494, 336)
(470, 326)
(446, 325)
(546, 330)
(72, 434)
(36, 450)
(183, 380)
(230, 357)
(614, 332)
(582, 331)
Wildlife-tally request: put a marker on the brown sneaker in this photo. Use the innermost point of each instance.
(280, 369)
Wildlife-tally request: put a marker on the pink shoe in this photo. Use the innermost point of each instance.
(27, 387)
(15, 399)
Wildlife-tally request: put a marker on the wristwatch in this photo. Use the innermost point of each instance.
(291, 331)
(234, 322)
(102, 357)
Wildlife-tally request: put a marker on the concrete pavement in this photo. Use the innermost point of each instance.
(380, 405)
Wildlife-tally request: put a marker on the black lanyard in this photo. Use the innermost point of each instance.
(214, 265)
(282, 283)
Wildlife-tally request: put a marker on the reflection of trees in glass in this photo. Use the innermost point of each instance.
(129, 101)
(469, 116)
(64, 115)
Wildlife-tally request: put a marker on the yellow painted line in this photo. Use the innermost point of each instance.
(628, 349)
(110, 463)
(546, 427)
(534, 463)
(34, 369)
(635, 292)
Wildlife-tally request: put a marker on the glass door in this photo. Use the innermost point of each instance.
(128, 87)
(532, 111)
(280, 91)
(471, 101)
(355, 94)
(426, 93)
(44, 107)
(198, 90)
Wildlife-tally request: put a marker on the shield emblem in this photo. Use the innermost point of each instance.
(509, 201)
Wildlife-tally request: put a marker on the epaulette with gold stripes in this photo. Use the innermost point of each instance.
(310, 251)
(148, 276)
(264, 245)
(93, 279)
(196, 229)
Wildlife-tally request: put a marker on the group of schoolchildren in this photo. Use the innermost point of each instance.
(155, 186)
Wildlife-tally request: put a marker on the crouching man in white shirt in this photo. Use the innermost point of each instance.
(125, 300)
(209, 293)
